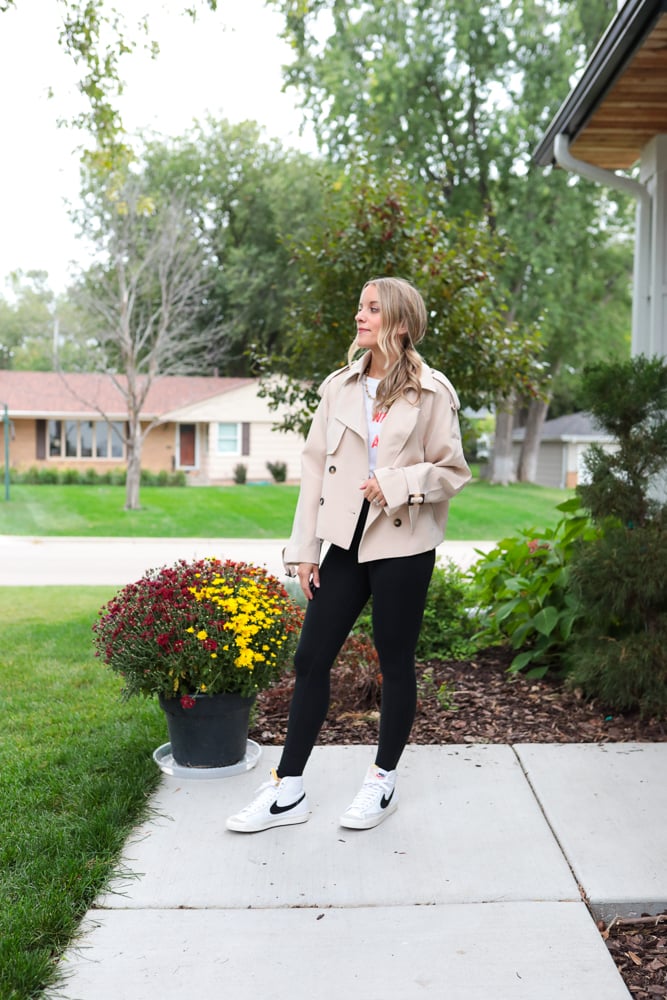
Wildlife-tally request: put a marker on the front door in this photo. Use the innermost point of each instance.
(186, 446)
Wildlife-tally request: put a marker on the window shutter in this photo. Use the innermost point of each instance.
(245, 439)
(40, 440)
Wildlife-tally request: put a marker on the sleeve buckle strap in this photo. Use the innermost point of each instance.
(415, 498)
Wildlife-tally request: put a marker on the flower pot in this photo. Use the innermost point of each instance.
(211, 733)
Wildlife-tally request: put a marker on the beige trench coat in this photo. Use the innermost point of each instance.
(420, 465)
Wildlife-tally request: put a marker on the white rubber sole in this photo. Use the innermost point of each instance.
(289, 819)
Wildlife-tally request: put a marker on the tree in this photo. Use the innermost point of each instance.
(97, 38)
(459, 93)
(40, 331)
(247, 197)
(376, 226)
(147, 289)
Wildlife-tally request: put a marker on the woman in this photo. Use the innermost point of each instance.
(382, 458)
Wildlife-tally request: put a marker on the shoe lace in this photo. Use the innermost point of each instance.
(368, 795)
(263, 797)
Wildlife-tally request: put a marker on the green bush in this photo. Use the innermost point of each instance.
(278, 471)
(240, 474)
(47, 476)
(521, 591)
(618, 651)
(447, 627)
(69, 477)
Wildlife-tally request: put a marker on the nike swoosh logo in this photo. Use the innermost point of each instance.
(385, 802)
(276, 810)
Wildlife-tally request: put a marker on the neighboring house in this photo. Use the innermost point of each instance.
(205, 426)
(564, 442)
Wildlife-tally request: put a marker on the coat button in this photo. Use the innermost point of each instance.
(321, 501)
(397, 522)
(332, 468)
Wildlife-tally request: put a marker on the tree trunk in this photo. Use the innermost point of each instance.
(502, 463)
(133, 477)
(537, 411)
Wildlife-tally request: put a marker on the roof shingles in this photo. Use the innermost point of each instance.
(42, 394)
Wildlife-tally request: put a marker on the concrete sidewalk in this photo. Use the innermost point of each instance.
(473, 890)
(470, 891)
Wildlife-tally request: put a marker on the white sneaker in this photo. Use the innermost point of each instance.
(279, 802)
(375, 800)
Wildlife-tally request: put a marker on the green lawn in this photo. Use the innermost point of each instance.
(480, 512)
(75, 771)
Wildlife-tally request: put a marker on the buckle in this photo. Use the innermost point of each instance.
(415, 498)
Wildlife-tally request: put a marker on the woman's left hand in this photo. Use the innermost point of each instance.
(372, 492)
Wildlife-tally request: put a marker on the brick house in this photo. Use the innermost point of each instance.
(204, 426)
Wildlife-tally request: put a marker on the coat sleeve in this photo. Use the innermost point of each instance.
(444, 471)
(303, 544)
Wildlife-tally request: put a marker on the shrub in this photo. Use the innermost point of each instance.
(619, 648)
(278, 471)
(240, 474)
(47, 476)
(521, 591)
(91, 477)
(69, 477)
(447, 627)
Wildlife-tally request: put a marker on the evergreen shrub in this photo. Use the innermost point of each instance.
(618, 651)
(278, 471)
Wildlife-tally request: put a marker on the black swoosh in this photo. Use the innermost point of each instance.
(385, 802)
(275, 809)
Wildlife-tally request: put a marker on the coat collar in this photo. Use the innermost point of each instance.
(358, 367)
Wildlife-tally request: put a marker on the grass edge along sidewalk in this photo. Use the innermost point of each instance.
(76, 771)
(482, 511)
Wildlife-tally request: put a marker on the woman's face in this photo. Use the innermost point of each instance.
(368, 318)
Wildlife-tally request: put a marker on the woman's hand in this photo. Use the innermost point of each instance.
(372, 492)
(309, 578)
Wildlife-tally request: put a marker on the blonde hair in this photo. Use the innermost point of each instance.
(404, 320)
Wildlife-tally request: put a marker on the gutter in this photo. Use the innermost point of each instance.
(609, 178)
(624, 36)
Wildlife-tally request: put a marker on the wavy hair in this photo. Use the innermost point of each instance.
(404, 320)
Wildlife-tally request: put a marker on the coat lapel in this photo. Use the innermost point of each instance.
(397, 427)
(350, 409)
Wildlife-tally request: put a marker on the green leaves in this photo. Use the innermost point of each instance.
(521, 590)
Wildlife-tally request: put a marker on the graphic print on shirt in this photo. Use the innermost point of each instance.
(377, 418)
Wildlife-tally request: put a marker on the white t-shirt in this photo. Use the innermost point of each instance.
(374, 421)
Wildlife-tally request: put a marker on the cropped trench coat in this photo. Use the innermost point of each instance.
(420, 465)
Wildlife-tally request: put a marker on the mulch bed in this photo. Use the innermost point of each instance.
(478, 702)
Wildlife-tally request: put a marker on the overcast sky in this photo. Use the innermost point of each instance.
(227, 63)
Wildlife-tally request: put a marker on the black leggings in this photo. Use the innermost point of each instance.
(398, 587)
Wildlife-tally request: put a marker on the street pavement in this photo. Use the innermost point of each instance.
(28, 561)
(485, 884)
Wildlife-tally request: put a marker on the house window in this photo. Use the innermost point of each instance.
(55, 438)
(229, 439)
(85, 439)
